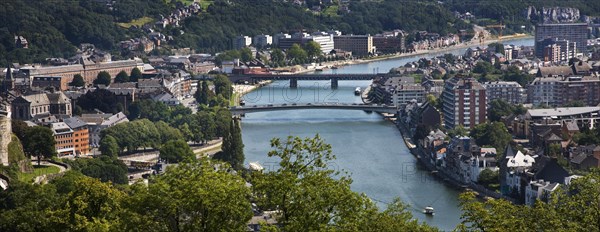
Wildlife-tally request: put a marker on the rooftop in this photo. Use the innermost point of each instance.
(563, 111)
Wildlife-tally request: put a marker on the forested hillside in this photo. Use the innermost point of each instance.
(54, 28)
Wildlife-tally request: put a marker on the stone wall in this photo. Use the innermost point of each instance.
(5, 137)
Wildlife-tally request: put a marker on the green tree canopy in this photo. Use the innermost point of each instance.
(197, 196)
(39, 141)
(77, 81)
(122, 77)
(246, 54)
(175, 151)
(136, 74)
(296, 52)
(109, 146)
(103, 78)
(313, 49)
(492, 134)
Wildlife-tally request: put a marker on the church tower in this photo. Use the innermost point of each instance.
(8, 83)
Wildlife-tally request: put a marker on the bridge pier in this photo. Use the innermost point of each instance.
(334, 83)
(293, 83)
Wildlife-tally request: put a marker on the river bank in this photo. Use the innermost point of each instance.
(298, 69)
(421, 156)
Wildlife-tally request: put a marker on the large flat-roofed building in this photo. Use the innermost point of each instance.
(508, 91)
(560, 90)
(325, 41)
(87, 69)
(464, 102)
(588, 117)
(360, 45)
(573, 32)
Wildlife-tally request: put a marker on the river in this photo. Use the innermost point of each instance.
(369, 148)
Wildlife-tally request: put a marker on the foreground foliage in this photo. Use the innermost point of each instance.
(576, 208)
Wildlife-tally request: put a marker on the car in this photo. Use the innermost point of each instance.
(354, 104)
(254, 106)
(308, 104)
(270, 105)
(283, 104)
(293, 104)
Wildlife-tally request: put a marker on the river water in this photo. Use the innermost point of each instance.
(370, 148)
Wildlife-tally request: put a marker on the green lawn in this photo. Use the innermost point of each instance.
(136, 22)
(234, 101)
(38, 171)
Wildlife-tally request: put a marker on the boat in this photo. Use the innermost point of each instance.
(429, 211)
(255, 166)
(334, 67)
(357, 91)
(319, 70)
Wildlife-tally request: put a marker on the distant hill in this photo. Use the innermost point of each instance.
(53, 28)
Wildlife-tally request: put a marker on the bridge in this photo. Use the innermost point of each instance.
(293, 78)
(239, 110)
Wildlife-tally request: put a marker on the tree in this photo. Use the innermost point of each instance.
(483, 67)
(497, 47)
(39, 141)
(203, 94)
(488, 177)
(105, 168)
(92, 205)
(136, 74)
(277, 55)
(176, 151)
(572, 209)
(458, 130)
(313, 49)
(109, 146)
(233, 147)
(103, 78)
(122, 77)
(297, 53)
(19, 128)
(223, 86)
(492, 134)
(77, 81)
(196, 196)
(498, 109)
(167, 133)
(246, 54)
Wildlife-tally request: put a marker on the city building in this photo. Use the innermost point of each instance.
(98, 122)
(241, 41)
(561, 90)
(552, 53)
(508, 91)
(390, 42)
(261, 41)
(63, 135)
(359, 45)
(325, 41)
(81, 136)
(572, 32)
(398, 90)
(27, 107)
(280, 36)
(87, 69)
(464, 102)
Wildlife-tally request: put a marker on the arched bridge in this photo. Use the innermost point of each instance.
(310, 77)
(238, 110)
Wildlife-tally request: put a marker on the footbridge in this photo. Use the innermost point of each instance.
(239, 110)
(294, 78)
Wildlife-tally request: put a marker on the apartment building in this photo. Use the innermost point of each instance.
(561, 90)
(508, 91)
(464, 102)
(573, 32)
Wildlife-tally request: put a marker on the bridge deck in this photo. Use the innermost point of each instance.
(294, 106)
